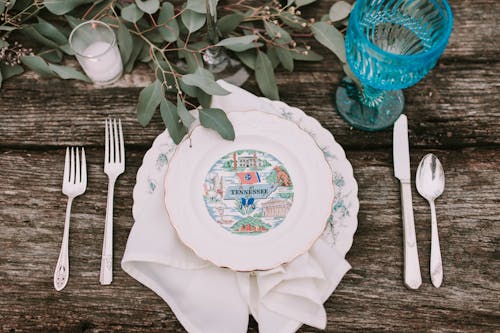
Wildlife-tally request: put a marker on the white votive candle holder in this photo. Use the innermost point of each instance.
(94, 44)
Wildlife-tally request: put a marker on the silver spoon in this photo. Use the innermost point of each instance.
(430, 185)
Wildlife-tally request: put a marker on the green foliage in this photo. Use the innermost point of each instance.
(330, 37)
(162, 32)
(216, 119)
(149, 99)
(171, 119)
(264, 73)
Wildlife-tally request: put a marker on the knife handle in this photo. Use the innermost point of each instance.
(412, 276)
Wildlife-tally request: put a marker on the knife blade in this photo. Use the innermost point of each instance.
(401, 155)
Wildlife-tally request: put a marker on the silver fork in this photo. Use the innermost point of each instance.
(114, 165)
(74, 184)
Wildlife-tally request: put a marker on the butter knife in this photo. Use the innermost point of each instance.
(401, 154)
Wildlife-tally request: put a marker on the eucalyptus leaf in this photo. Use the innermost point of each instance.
(191, 91)
(149, 99)
(148, 6)
(50, 31)
(193, 21)
(154, 36)
(273, 56)
(7, 28)
(274, 31)
(229, 23)
(3, 43)
(330, 37)
(300, 3)
(306, 55)
(145, 55)
(264, 74)
(340, 11)
(193, 59)
(169, 28)
(125, 42)
(38, 65)
(286, 59)
(10, 71)
(239, 44)
(198, 6)
(30, 32)
(66, 73)
(73, 21)
(172, 121)
(204, 98)
(248, 58)
(2, 8)
(351, 75)
(51, 55)
(204, 80)
(66, 48)
(217, 120)
(137, 46)
(60, 7)
(132, 13)
(186, 117)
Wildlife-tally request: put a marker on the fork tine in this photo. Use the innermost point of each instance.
(122, 144)
(116, 142)
(66, 166)
(77, 167)
(72, 163)
(111, 143)
(106, 143)
(84, 168)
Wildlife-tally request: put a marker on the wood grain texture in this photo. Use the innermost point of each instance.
(441, 108)
(454, 112)
(371, 296)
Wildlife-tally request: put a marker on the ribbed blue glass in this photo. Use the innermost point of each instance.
(392, 44)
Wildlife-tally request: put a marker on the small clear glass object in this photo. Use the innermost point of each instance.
(390, 45)
(94, 44)
(218, 62)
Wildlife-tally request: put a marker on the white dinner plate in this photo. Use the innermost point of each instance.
(253, 203)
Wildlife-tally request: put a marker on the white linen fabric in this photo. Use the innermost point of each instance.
(206, 298)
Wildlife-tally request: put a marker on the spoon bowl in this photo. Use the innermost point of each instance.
(430, 177)
(430, 185)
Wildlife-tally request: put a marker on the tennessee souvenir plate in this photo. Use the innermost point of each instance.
(253, 203)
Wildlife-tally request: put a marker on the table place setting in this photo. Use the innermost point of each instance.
(291, 281)
(245, 206)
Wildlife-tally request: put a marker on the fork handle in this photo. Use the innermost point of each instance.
(106, 275)
(61, 274)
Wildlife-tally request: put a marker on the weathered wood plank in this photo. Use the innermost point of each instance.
(371, 297)
(456, 105)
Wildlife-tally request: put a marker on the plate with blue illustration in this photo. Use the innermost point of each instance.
(253, 203)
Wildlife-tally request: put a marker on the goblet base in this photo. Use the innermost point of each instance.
(382, 112)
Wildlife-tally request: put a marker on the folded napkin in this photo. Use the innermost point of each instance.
(206, 298)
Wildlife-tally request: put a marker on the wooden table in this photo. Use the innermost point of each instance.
(454, 112)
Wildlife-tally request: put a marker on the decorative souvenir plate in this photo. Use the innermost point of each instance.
(252, 203)
(148, 194)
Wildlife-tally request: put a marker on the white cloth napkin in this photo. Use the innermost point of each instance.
(206, 298)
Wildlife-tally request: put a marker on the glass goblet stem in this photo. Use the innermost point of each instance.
(366, 107)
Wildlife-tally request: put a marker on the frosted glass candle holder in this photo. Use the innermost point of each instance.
(94, 44)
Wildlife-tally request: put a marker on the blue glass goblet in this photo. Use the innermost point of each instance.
(390, 45)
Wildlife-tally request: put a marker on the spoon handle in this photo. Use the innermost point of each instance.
(436, 263)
